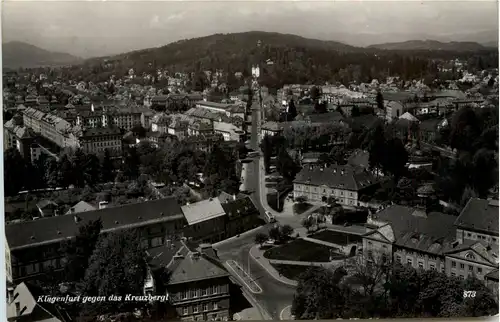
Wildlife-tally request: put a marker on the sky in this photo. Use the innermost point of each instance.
(97, 28)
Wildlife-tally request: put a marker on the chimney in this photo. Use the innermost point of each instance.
(18, 308)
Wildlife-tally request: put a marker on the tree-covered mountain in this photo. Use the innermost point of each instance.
(430, 45)
(19, 54)
(284, 59)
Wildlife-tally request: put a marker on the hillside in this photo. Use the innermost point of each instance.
(18, 54)
(430, 45)
(284, 59)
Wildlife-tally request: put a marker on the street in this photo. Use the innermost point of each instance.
(275, 295)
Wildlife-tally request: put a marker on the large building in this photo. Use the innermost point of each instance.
(33, 246)
(17, 136)
(459, 247)
(51, 127)
(345, 183)
(198, 285)
(99, 139)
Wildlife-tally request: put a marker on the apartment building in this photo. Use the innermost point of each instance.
(97, 140)
(124, 117)
(411, 236)
(343, 182)
(51, 127)
(206, 220)
(34, 245)
(17, 136)
(199, 284)
(459, 247)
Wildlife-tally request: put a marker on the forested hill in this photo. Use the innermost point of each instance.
(430, 45)
(287, 59)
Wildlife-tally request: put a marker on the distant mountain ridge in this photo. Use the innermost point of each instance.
(17, 54)
(430, 45)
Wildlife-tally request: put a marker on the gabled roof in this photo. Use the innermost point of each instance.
(55, 229)
(488, 252)
(336, 176)
(480, 215)
(416, 230)
(81, 206)
(193, 266)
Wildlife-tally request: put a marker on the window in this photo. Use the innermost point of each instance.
(432, 266)
(479, 270)
(195, 308)
(184, 295)
(215, 306)
(453, 274)
(185, 310)
(370, 254)
(469, 235)
(420, 264)
(215, 289)
(204, 292)
(205, 307)
(470, 256)
(453, 264)
(398, 258)
(471, 268)
(462, 277)
(194, 293)
(409, 261)
(462, 266)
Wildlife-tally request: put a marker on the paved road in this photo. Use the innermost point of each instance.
(275, 295)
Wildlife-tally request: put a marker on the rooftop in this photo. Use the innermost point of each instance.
(202, 210)
(415, 229)
(479, 214)
(336, 176)
(191, 265)
(54, 229)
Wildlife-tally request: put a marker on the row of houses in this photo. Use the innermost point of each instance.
(33, 247)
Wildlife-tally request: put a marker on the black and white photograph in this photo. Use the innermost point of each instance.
(250, 160)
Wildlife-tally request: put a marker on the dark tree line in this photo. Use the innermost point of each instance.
(387, 291)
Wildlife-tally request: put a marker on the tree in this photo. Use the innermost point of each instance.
(380, 101)
(315, 93)
(106, 172)
(291, 112)
(261, 238)
(131, 163)
(275, 234)
(286, 166)
(307, 223)
(267, 150)
(286, 231)
(79, 250)
(319, 294)
(13, 171)
(355, 111)
(117, 267)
